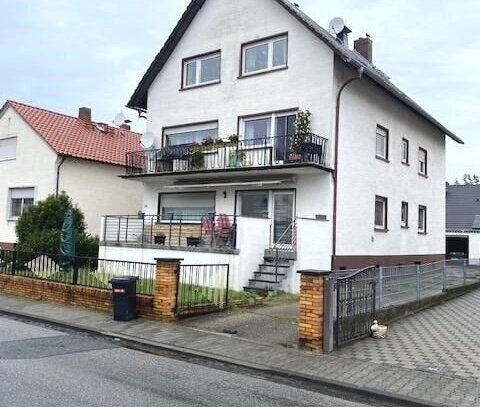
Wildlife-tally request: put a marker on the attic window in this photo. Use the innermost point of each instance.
(201, 70)
(264, 55)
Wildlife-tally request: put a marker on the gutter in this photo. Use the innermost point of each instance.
(58, 175)
(360, 71)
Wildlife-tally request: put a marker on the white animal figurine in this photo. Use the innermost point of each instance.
(378, 331)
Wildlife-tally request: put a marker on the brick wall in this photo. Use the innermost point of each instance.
(310, 324)
(7, 246)
(88, 297)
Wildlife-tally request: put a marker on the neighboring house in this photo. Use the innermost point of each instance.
(365, 188)
(463, 221)
(43, 152)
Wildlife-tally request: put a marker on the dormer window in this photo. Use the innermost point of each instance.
(264, 55)
(201, 70)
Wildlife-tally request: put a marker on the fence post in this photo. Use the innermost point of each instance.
(312, 309)
(75, 271)
(380, 287)
(329, 314)
(444, 277)
(14, 262)
(464, 267)
(418, 282)
(165, 289)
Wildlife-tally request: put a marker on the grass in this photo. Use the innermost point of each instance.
(283, 297)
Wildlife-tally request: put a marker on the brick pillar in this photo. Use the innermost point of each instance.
(311, 321)
(165, 289)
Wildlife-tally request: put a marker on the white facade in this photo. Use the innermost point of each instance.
(96, 188)
(311, 81)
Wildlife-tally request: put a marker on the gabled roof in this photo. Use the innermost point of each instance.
(73, 137)
(463, 207)
(138, 100)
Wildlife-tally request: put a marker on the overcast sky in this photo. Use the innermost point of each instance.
(62, 54)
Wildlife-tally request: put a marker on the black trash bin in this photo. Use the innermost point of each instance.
(124, 298)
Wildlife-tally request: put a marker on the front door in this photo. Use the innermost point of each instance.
(283, 216)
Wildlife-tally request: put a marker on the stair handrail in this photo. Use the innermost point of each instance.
(293, 228)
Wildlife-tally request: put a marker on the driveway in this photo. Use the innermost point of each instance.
(444, 339)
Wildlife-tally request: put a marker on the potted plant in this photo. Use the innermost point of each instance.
(196, 156)
(233, 139)
(208, 142)
(303, 129)
(193, 241)
(159, 239)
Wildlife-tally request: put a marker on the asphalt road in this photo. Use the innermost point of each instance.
(42, 366)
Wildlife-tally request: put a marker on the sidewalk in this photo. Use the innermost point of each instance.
(397, 382)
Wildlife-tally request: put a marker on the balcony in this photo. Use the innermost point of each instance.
(219, 155)
(211, 231)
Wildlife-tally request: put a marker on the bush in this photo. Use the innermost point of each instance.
(39, 228)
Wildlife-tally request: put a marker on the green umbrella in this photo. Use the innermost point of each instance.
(67, 242)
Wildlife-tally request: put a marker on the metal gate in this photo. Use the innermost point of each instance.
(355, 305)
(202, 289)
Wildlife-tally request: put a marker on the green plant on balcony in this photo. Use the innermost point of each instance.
(208, 142)
(196, 156)
(303, 129)
(233, 139)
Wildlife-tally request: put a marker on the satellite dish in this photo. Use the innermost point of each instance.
(119, 119)
(147, 139)
(336, 26)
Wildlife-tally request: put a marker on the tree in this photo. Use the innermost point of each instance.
(38, 229)
(471, 179)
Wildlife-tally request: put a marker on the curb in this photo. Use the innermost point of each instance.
(140, 344)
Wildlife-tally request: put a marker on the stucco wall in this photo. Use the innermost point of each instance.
(473, 243)
(225, 25)
(362, 176)
(34, 166)
(97, 189)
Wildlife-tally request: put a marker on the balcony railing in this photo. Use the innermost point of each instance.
(219, 155)
(207, 231)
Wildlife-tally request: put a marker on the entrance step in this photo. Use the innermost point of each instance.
(270, 277)
(282, 254)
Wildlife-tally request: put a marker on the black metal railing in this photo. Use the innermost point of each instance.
(356, 306)
(173, 230)
(202, 289)
(76, 270)
(259, 152)
(285, 243)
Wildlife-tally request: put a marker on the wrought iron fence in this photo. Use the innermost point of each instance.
(213, 231)
(355, 305)
(202, 289)
(84, 271)
(218, 154)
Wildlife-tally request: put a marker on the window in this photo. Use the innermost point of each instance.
(404, 220)
(8, 148)
(177, 136)
(201, 70)
(405, 151)
(382, 143)
(422, 162)
(422, 219)
(20, 200)
(264, 55)
(188, 207)
(254, 204)
(380, 213)
(260, 130)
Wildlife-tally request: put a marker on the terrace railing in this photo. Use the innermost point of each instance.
(218, 155)
(208, 231)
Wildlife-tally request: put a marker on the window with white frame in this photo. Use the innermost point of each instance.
(261, 130)
(381, 213)
(382, 143)
(195, 133)
(20, 199)
(422, 219)
(187, 206)
(8, 148)
(265, 55)
(422, 161)
(405, 151)
(404, 216)
(202, 70)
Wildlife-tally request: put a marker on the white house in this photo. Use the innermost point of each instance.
(43, 152)
(229, 179)
(463, 221)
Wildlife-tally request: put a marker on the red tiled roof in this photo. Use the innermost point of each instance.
(71, 136)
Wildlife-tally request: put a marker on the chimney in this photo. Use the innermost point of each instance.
(125, 127)
(85, 114)
(364, 47)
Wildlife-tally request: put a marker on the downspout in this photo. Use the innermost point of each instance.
(58, 175)
(335, 172)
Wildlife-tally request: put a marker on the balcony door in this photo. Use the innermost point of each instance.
(284, 129)
(283, 216)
